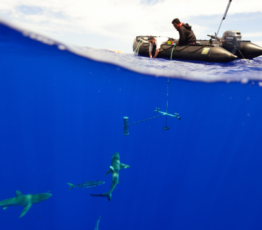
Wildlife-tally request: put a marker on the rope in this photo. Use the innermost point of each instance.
(137, 46)
(167, 94)
(167, 98)
(159, 115)
(202, 46)
(241, 54)
(174, 47)
(171, 55)
(145, 120)
(182, 48)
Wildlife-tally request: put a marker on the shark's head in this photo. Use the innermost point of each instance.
(116, 156)
(47, 195)
(41, 197)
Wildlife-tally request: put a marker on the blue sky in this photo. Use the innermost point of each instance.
(114, 24)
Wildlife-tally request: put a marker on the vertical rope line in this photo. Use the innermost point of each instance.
(167, 98)
(137, 47)
(167, 94)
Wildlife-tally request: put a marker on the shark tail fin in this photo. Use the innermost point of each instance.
(108, 195)
(71, 186)
(4, 208)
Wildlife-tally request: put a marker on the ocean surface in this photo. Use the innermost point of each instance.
(61, 121)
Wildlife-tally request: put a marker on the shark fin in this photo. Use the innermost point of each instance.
(71, 186)
(108, 195)
(18, 193)
(26, 208)
(4, 208)
(118, 182)
(123, 166)
(110, 170)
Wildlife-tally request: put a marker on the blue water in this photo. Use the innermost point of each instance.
(61, 121)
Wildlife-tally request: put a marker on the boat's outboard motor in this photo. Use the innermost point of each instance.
(231, 41)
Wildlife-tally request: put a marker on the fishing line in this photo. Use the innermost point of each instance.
(166, 114)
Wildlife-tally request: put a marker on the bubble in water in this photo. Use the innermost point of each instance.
(260, 84)
(244, 80)
(48, 41)
(31, 35)
(61, 47)
(39, 38)
(25, 33)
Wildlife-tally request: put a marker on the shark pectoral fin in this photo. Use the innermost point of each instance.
(110, 170)
(18, 193)
(118, 182)
(26, 208)
(4, 208)
(123, 166)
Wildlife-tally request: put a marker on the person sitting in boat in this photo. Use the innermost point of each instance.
(156, 42)
(187, 36)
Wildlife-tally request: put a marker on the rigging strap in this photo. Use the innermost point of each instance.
(171, 55)
(138, 46)
(145, 120)
(167, 98)
(241, 54)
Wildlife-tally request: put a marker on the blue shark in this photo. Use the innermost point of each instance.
(97, 223)
(114, 169)
(24, 200)
(87, 184)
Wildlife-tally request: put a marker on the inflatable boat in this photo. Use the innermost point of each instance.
(228, 48)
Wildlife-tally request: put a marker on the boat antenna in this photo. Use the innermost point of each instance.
(224, 17)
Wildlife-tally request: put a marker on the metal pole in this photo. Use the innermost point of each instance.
(126, 126)
(224, 17)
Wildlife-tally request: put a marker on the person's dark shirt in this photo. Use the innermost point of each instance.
(187, 35)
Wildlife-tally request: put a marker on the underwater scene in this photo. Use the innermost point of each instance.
(92, 139)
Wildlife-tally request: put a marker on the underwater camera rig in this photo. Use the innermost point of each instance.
(175, 115)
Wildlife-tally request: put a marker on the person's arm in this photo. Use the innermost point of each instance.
(156, 53)
(150, 50)
(158, 45)
(150, 54)
(182, 35)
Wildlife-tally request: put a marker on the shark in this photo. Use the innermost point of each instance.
(87, 184)
(114, 169)
(97, 222)
(24, 200)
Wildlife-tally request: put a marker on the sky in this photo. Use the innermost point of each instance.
(114, 24)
